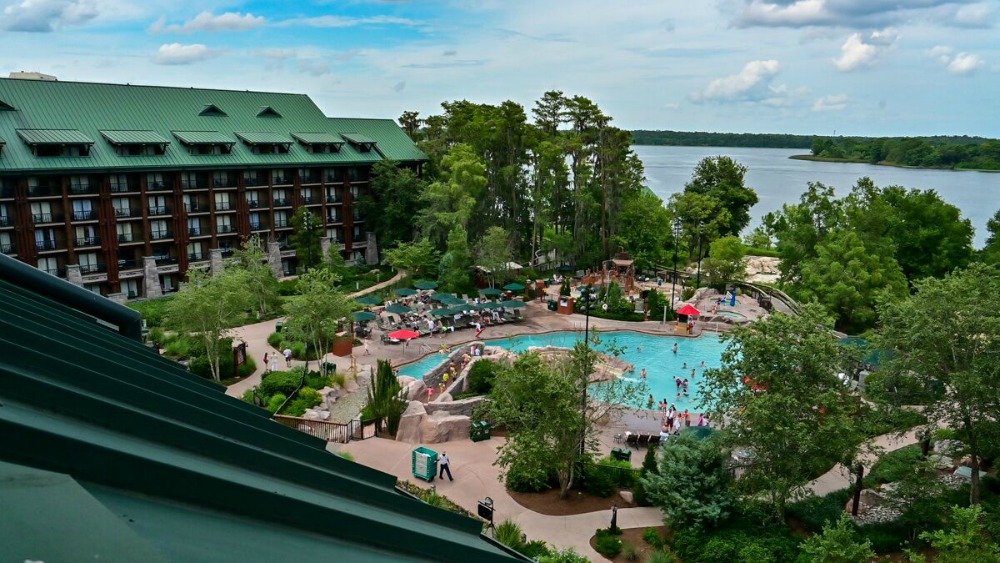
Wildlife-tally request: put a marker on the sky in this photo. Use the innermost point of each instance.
(845, 67)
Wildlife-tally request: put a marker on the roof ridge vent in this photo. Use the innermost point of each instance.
(212, 110)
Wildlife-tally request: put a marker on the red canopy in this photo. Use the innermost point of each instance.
(689, 310)
(403, 334)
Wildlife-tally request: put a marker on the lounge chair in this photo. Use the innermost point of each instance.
(643, 440)
(632, 440)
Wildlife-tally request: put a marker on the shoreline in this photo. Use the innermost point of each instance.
(813, 158)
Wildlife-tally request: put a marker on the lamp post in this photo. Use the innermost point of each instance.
(673, 275)
(307, 226)
(698, 279)
(585, 293)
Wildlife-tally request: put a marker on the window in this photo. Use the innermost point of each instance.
(154, 181)
(41, 212)
(335, 175)
(122, 207)
(222, 202)
(223, 179)
(334, 235)
(358, 256)
(280, 219)
(157, 205)
(332, 195)
(88, 263)
(86, 236)
(255, 221)
(254, 178)
(120, 183)
(130, 288)
(355, 192)
(194, 227)
(140, 150)
(224, 224)
(354, 174)
(189, 181)
(124, 232)
(49, 265)
(194, 251)
(158, 230)
(5, 220)
(192, 205)
(357, 234)
(6, 243)
(280, 198)
(80, 185)
(83, 210)
(253, 199)
(168, 283)
(279, 177)
(307, 196)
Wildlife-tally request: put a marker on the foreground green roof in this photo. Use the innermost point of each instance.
(45, 112)
(117, 453)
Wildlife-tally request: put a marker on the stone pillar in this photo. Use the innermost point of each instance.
(324, 246)
(151, 278)
(371, 251)
(215, 260)
(274, 259)
(119, 298)
(73, 275)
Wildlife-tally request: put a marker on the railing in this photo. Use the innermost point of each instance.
(158, 210)
(194, 231)
(92, 268)
(47, 245)
(157, 186)
(195, 207)
(44, 191)
(227, 251)
(126, 237)
(84, 215)
(223, 206)
(334, 219)
(5, 221)
(310, 179)
(281, 202)
(280, 180)
(196, 256)
(6, 191)
(80, 189)
(124, 188)
(196, 185)
(223, 229)
(6, 248)
(259, 227)
(160, 235)
(335, 176)
(281, 223)
(310, 200)
(253, 181)
(129, 265)
(58, 272)
(46, 218)
(253, 203)
(330, 431)
(87, 241)
(333, 199)
(165, 259)
(127, 212)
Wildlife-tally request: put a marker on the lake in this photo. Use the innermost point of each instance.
(778, 179)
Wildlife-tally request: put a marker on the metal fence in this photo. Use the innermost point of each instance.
(331, 431)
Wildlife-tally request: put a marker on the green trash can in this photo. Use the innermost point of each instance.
(621, 454)
(424, 463)
(480, 431)
(279, 326)
(553, 306)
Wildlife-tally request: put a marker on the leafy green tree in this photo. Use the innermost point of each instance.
(838, 543)
(990, 253)
(726, 261)
(314, 314)
(847, 279)
(648, 234)
(493, 253)
(419, 258)
(207, 306)
(947, 337)
(759, 237)
(801, 227)
(410, 122)
(724, 180)
(395, 196)
(779, 391)
(455, 270)
(691, 483)
(963, 540)
(930, 235)
(451, 200)
(307, 230)
(260, 281)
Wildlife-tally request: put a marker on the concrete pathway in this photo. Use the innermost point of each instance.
(840, 477)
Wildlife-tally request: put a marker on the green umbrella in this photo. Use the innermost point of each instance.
(698, 432)
(513, 304)
(443, 312)
(514, 287)
(491, 291)
(425, 285)
(405, 292)
(463, 307)
(368, 300)
(399, 309)
(363, 316)
(487, 306)
(442, 297)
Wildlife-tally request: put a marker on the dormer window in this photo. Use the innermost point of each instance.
(359, 142)
(319, 143)
(267, 111)
(263, 142)
(212, 110)
(205, 142)
(137, 143)
(56, 142)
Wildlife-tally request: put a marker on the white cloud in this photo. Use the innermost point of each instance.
(862, 51)
(955, 63)
(857, 14)
(831, 103)
(750, 84)
(206, 21)
(47, 15)
(974, 15)
(177, 54)
(344, 21)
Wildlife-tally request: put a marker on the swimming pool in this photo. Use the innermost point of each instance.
(732, 315)
(656, 355)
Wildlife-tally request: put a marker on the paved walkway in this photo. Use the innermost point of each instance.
(840, 477)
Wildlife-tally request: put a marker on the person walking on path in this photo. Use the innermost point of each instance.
(367, 352)
(445, 464)
(267, 365)
(274, 362)
(288, 357)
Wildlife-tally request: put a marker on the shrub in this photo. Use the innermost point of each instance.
(739, 542)
(607, 543)
(652, 537)
(248, 367)
(523, 477)
(688, 293)
(337, 378)
(346, 455)
(895, 466)
(386, 398)
(508, 533)
(568, 555)
(534, 549)
(178, 349)
(662, 557)
(630, 552)
(275, 402)
(153, 311)
(599, 482)
(288, 287)
(623, 476)
(481, 376)
(886, 420)
(284, 382)
(274, 340)
(815, 512)
(317, 381)
(298, 350)
(885, 537)
(306, 399)
(247, 396)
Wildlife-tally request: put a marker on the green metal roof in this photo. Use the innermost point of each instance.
(170, 463)
(54, 137)
(91, 108)
(358, 139)
(135, 138)
(318, 138)
(264, 137)
(203, 138)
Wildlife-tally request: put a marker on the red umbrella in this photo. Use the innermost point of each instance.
(689, 310)
(403, 334)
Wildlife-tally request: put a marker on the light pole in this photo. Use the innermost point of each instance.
(698, 280)
(673, 275)
(585, 292)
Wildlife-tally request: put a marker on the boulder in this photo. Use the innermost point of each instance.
(627, 497)
(440, 428)
(415, 389)
(948, 447)
(443, 397)
(941, 461)
(405, 380)
(409, 423)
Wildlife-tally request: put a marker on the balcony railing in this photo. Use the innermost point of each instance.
(311, 179)
(45, 218)
(87, 241)
(259, 227)
(223, 229)
(281, 223)
(59, 272)
(227, 252)
(160, 234)
(253, 203)
(334, 219)
(159, 210)
(80, 189)
(310, 200)
(333, 199)
(223, 206)
(281, 180)
(47, 245)
(197, 256)
(126, 212)
(124, 188)
(92, 268)
(195, 207)
(44, 191)
(6, 221)
(157, 187)
(196, 185)
(254, 180)
(6, 190)
(194, 231)
(129, 265)
(126, 237)
(84, 215)
(337, 177)
(6, 248)
(164, 259)
(225, 183)
(281, 202)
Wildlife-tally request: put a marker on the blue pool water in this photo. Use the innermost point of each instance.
(641, 350)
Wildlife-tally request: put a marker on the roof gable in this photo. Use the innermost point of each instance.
(212, 110)
(4, 106)
(268, 111)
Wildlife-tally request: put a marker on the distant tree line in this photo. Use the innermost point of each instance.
(928, 152)
(704, 139)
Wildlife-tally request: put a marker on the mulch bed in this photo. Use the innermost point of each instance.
(633, 536)
(549, 503)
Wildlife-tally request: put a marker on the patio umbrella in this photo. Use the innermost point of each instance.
(689, 310)
(442, 297)
(403, 334)
(514, 287)
(368, 300)
(363, 316)
(490, 292)
(698, 432)
(566, 268)
(443, 312)
(405, 292)
(399, 309)
(425, 285)
(486, 306)
(463, 307)
(513, 304)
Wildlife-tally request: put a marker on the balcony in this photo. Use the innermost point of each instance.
(310, 179)
(58, 272)
(38, 218)
(197, 257)
(122, 188)
(223, 206)
(43, 245)
(282, 202)
(224, 229)
(253, 203)
(197, 232)
(311, 200)
(164, 259)
(6, 248)
(85, 215)
(126, 212)
(260, 227)
(44, 191)
(253, 180)
(281, 223)
(160, 234)
(6, 221)
(6, 190)
(281, 181)
(87, 241)
(225, 183)
(82, 189)
(159, 210)
(92, 268)
(333, 199)
(129, 265)
(196, 185)
(196, 207)
(335, 176)
(334, 219)
(227, 252)
(127, 237)
(157, 187)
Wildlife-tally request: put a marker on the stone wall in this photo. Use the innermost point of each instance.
(463, 407)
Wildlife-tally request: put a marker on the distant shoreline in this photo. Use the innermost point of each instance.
(894, 165)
